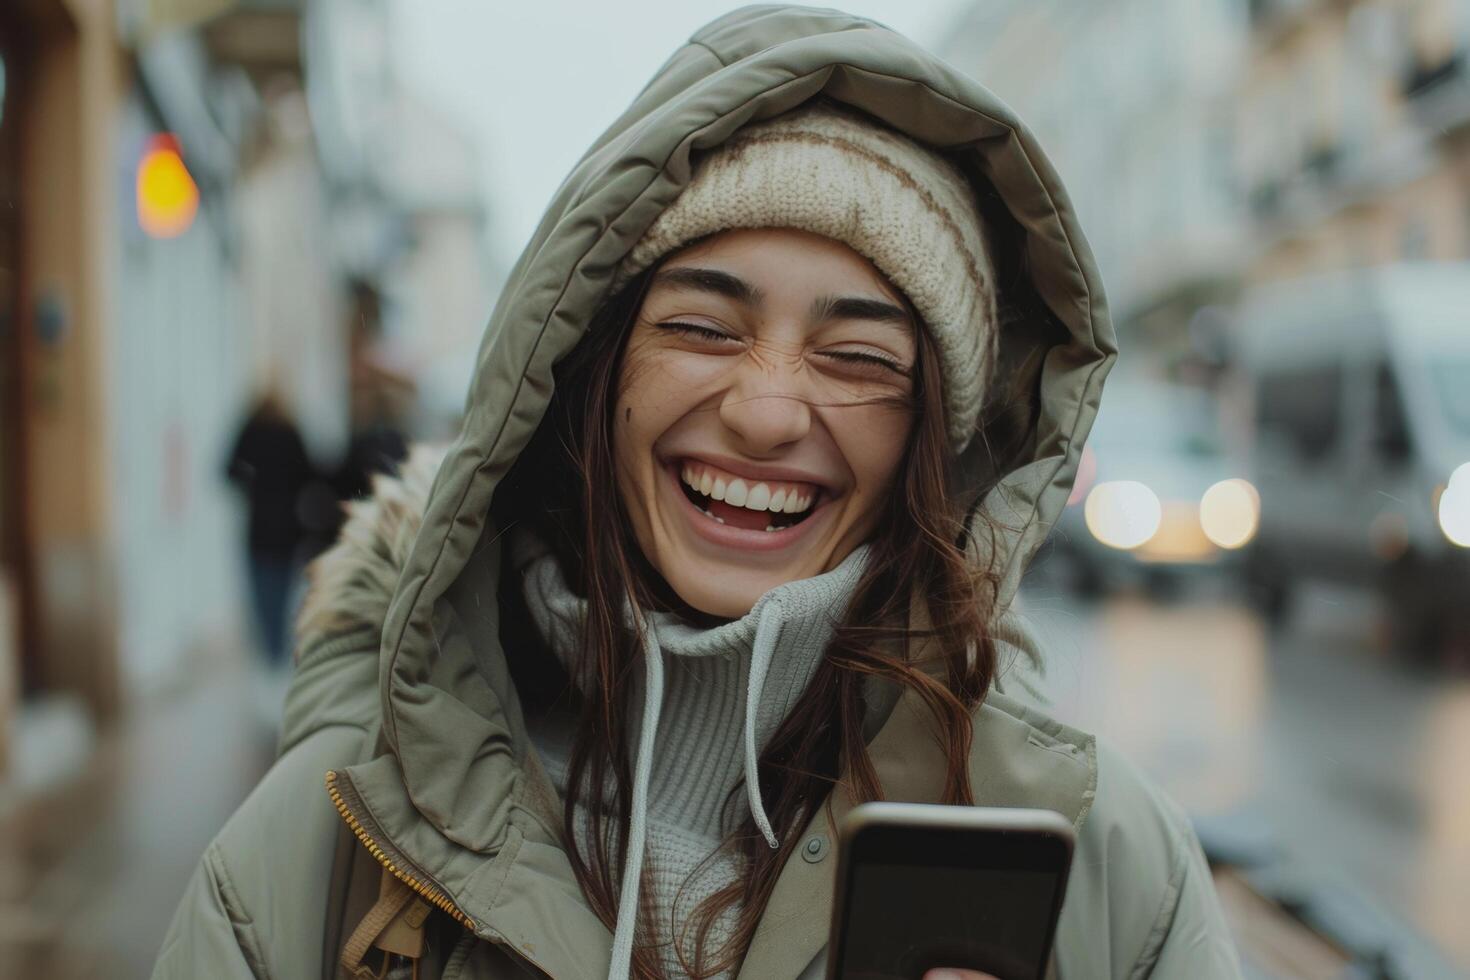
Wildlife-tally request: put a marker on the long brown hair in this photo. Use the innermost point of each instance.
(558, 486)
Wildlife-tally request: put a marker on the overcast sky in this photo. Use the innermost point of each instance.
(534, 82)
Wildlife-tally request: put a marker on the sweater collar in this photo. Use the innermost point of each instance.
(809, 612)
(800, 619)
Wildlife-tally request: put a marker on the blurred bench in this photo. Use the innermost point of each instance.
(1273, 942)
(1291, 925)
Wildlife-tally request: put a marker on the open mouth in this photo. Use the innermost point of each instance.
(750, 505)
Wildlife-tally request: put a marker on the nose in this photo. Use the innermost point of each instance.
(767, 407)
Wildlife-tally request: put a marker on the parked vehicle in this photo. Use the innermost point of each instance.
(1155, 497)
(1358, 387)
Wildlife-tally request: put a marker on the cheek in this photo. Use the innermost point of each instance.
(660, 387)
(873, 441)
(632, 442)
(645, 409)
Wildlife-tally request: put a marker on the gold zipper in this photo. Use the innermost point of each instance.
(428, 892)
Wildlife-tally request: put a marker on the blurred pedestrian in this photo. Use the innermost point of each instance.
(378, 393)
(378, 447)
(783, 396)
(268, 462)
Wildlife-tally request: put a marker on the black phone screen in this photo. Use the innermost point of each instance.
(904, 920)
(993, 912)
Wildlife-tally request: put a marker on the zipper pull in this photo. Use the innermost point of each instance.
(404, 935)
(394, 925)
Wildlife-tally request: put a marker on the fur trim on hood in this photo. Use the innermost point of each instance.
(351, 584)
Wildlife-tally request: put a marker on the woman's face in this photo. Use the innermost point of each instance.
(764, 406)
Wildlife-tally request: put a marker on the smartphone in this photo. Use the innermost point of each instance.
(922, 886)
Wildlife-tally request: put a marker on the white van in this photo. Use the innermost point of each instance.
(1357, 387)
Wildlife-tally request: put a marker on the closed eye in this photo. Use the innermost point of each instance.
(867, 360)
(695, 330)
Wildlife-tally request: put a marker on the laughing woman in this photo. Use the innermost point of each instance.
(776, 406)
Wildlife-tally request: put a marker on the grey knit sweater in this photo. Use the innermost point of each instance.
(706, 733)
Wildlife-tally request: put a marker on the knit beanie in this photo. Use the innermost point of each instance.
(828, 170)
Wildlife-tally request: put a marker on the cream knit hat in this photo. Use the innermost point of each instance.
(830, 171)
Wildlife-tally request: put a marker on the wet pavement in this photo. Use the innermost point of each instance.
(1314, 741)
(91, 872)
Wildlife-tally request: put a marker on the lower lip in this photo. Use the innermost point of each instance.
(739, 538)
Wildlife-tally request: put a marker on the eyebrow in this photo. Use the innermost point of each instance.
(824, 308)
(858, 308)
(711, 281)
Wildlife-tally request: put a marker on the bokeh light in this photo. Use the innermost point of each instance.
(168, 198)
(1229, 512)
(1123, 513)
(1454, 507)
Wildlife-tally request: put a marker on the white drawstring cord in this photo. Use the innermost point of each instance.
(653, 697)
(767, 629)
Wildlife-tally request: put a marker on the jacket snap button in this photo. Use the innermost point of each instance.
(814, 849)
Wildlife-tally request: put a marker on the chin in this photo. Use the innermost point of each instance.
(727, 593)
(728, 590)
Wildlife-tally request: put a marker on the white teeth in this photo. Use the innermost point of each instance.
(771, 527)
(738, 493)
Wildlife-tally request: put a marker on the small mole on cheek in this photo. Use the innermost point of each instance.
(628, 414)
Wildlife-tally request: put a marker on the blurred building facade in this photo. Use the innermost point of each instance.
(1352, 132)
(128, 132)
(1133, 100)
(408, 214)
(193, 207)
(64, 82)
(1212, 144)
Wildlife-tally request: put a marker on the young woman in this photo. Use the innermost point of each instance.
(788, 387)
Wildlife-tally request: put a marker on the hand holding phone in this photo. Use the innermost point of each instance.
(924, 888)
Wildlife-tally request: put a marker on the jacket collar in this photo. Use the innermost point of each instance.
(1018, 758)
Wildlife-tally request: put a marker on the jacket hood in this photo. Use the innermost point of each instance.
(446, 725)
(1056, 343)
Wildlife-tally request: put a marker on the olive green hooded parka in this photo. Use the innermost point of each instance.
(404, 746)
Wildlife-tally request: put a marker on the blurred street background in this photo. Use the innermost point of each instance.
(247, 248)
